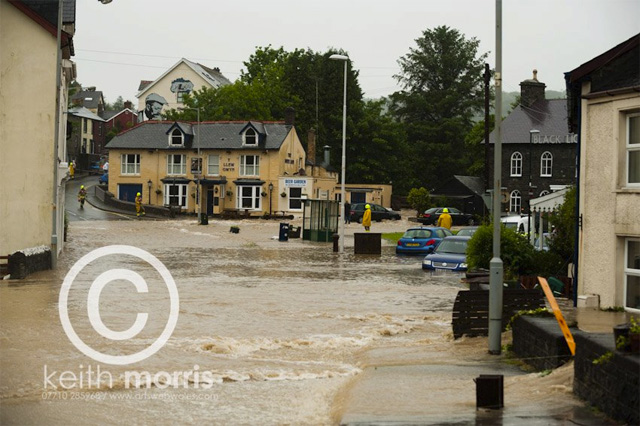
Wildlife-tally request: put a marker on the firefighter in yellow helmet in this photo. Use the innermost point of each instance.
(445, 219)
(366, 218)
(139, 208)
(82, 194)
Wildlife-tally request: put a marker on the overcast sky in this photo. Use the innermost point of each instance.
(121, 43)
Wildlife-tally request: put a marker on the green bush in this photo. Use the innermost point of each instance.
(517, 254)
(515, 251)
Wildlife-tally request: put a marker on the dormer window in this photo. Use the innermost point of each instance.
(176, 138)
(250, 137)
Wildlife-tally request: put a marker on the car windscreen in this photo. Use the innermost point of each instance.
(452, 247)
(466, 232)
(417, 233)
(510, 225)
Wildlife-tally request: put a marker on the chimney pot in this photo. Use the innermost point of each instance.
(327, 157)
(311, 146)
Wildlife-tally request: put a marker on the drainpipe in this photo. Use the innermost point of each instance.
(56, 139)
(578, 222)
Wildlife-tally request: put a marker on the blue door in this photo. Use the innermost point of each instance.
(128, 191)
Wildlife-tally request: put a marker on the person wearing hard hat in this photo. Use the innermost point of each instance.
(82, 194)
(445, 219)
(139, 208)
(366, 218)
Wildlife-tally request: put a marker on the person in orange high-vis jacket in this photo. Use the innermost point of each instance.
(366, 218)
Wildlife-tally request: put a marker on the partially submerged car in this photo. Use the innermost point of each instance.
(451, 254)
(421, 240)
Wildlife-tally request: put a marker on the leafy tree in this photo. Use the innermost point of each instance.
(312, 84)
(419, 199)
(474, 147)
(562, 241)
(442, 81)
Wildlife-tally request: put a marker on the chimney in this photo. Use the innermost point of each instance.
(327, 157)
(311, 146)
(289, 116)
(531, 90)
(127, 104)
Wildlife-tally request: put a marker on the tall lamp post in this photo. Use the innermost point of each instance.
(532, 133)
(270, 193)
(198, 208)
(343, 194)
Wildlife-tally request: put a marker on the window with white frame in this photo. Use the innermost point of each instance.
(516, 164)
(176, 164)
(176, 138)
(249, 165)
(632, 273)
(633, 150)
(295, 198)
(213, 165)
(515, 201)
(249, 197)
(546, 164)
(250, 137)
(176, 195)
(130, 164)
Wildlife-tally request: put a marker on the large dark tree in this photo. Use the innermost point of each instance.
(442, 80)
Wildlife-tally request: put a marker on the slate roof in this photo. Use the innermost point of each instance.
(48, 9)
(108, 115)
(215, 135)
(90, 99)
(549, 116)
(474, 183)
(83, 112)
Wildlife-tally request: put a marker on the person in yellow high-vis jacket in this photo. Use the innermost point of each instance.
(366, 218)
(139, 208)
(445, 219)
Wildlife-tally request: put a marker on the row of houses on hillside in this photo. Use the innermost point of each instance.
(89, 125)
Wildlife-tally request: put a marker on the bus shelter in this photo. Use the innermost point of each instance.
(320, 220)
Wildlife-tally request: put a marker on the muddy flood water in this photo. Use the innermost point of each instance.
(267, 332)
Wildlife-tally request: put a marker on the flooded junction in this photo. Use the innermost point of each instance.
(267, 332)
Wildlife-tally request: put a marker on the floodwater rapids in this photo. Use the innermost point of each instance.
(267, 332)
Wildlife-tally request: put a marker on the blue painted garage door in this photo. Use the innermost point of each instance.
(128, 191)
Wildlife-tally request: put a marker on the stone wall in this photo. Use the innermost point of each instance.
(25, 262)
(612, 386)
(540, 343)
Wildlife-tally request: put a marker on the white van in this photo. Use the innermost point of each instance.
(517, 223)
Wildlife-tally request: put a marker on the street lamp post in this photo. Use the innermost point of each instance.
(343, 193)
(270, 194)
(531, 135)
(149, 183)
(198, 207)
